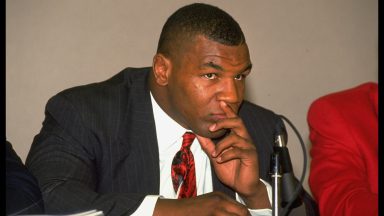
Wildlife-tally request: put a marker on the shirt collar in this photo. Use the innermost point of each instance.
(168, 131)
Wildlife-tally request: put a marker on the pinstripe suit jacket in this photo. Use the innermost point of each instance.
(97, 148)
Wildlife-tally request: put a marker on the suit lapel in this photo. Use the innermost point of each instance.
(141, 136)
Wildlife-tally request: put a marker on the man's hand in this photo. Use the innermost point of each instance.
(235, 160)
(214, 203)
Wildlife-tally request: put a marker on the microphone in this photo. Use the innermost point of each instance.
(289, 183)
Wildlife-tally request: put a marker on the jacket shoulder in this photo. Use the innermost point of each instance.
(100, 102)
(124, 79)
(256, 112)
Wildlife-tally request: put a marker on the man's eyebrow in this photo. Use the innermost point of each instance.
(212, 65)
(248, 68)
(218, 67)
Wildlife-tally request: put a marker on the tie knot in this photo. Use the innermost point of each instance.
(188, 138)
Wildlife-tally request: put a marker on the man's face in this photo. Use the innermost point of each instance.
(202, 75)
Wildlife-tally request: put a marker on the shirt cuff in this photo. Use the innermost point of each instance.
(147, 206)
(260, 212)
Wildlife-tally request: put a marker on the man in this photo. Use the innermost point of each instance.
(111, 145)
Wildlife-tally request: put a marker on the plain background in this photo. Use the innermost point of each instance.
(300, 49)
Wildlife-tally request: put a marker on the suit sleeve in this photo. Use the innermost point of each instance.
(63, 157)
(23, 195)
(337, 177)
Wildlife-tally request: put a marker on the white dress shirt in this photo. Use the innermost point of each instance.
(169, 138)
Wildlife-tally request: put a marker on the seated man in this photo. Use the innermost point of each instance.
(177, 137)
(344, 168)
(23, 194)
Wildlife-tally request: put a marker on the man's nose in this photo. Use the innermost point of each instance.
(230, 92)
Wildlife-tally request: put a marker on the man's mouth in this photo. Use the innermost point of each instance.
(218, 116)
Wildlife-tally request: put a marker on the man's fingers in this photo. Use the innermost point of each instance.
(232, 141)
(214, 203)
(244, 155)
(235, 124)
(227, 110)
(228, 206)
(207, 145)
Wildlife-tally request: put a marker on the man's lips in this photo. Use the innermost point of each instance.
(218, 116)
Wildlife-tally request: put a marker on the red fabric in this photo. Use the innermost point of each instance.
(344, 167)
(183, 169)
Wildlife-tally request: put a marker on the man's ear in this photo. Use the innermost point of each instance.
(161, 69)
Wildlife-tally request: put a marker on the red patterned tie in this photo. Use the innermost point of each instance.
(183, 169)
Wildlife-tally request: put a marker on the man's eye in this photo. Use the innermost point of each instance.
(240, 77)
(210, 76)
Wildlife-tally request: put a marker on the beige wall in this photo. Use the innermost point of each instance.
(300, 49)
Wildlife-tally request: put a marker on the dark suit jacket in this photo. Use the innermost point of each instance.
(97, 148)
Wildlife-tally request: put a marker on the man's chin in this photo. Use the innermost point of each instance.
(216, 134)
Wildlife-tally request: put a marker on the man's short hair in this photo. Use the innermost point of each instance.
(199, 19)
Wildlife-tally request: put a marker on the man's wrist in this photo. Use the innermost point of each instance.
(260, 199)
